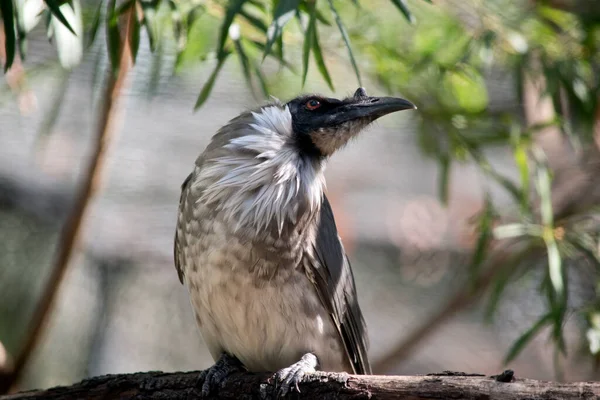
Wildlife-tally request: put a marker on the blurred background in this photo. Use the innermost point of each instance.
(471, 224)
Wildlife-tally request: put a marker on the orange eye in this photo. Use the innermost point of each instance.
(313, 104)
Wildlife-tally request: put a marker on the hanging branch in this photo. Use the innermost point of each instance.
(70, 233)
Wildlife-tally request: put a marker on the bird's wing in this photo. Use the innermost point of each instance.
(177, 250)
(334, 281)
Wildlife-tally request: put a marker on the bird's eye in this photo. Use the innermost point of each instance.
(313, 104)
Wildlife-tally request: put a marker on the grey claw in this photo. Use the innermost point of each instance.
(216, 375)
(289, 378)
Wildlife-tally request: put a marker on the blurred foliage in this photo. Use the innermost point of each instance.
(442, 64)
(439, 56)
(244, 29)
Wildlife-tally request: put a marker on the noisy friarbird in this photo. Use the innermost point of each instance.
(257, 246)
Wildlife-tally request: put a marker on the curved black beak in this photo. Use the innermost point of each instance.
(362, 106)
(379, 106)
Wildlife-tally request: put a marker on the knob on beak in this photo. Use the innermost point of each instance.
(360, 92)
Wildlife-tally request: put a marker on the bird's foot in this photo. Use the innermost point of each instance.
(213, 377)
(287, 379)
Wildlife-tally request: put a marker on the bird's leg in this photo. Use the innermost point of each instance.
(215, 376)
(287, 379)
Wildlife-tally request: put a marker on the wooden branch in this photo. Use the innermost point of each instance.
(72, 228)
(448, 385)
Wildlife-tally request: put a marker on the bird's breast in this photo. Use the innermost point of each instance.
(253, 299)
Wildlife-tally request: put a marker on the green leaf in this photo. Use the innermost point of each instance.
(21, 30)
(68, 45)
(510, 230)
(194, 14)
(540, 126)
(520, 154)
(244, 62)
(135, 36)
(233, 8)
(320, 17)
(149, 10)
(113, 37)
(468, 89)
(484, 228)
(543, 185)
(487, 168)
(555, 267)
(97, 70)
(29, 14)
(588, 247)
(261, 80)
(10, 39)
(512, 268)
(22, 46)
(208, 86)
(49, 30)
(199, 39)
(280, 49)
(284, 11)
(260, 46)
(179, 30)
(258, 4)
(309, 37)
(50, 117)
(94, 26)
(499, 285)
(344, 33)
(54, 7)
(502, 180)
(319, 60)
(522, 341)
(401, 5)
(444, 179)
(156, 65)
(254, 21)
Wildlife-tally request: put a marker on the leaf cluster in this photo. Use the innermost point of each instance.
(446, 64)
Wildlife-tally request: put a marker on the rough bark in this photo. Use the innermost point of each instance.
(448, 385)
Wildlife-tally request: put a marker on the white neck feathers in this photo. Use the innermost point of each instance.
(258, 176)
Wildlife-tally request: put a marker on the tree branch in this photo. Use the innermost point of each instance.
(72, 228)
(183, 385)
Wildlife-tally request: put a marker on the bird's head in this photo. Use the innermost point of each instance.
(266, 166)
(322, 125)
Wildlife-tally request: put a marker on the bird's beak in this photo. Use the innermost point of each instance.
(378, 106)
(363, 106)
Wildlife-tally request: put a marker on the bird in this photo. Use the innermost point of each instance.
(256, 244)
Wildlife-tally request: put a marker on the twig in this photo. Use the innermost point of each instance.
(71, 230)
(324, 386)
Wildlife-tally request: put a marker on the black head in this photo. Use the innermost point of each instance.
(322, 125)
